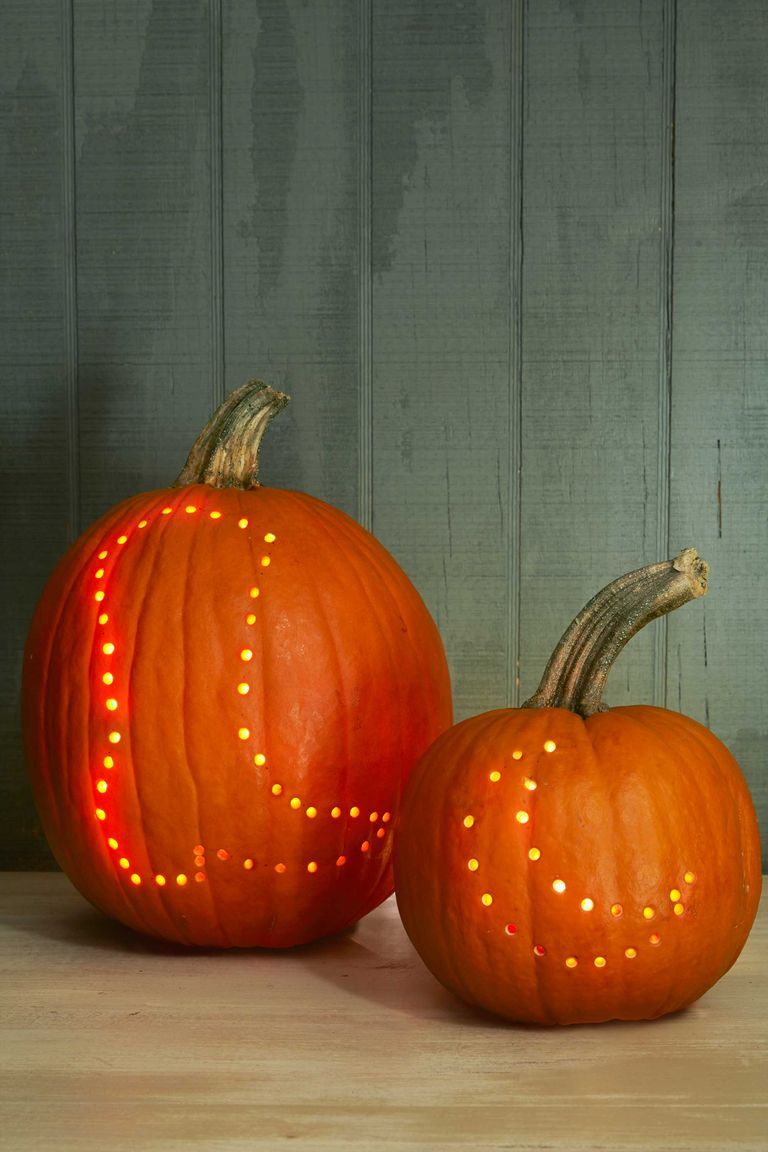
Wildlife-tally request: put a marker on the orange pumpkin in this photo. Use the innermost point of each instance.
(562, 863)
(225, 689)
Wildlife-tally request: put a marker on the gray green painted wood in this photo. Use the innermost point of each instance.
(522, 319)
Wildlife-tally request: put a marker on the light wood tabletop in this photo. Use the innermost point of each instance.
(109, 1041)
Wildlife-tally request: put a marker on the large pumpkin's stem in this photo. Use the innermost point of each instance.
(578, 669)
(226, 453)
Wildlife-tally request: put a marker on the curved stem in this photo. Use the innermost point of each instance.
(226, 453)
(578, 669)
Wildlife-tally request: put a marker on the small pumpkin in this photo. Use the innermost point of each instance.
(225, 688)
(562, 863)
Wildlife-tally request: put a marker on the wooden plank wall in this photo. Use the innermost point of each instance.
(510, 258)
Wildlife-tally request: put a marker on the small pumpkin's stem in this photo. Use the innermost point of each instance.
(226, 453)
(578, 668)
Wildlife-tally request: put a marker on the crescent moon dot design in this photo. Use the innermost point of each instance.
(680, 891)
(374, 829)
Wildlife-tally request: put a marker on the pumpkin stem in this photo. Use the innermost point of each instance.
(226, 453)
(578, 668)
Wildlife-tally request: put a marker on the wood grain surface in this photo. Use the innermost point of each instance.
(510, 259)
(109, 1041)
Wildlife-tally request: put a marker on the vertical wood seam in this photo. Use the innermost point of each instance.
(364, 270)
(216, 129)
(71, 350)
(666, 320)
(515, 429)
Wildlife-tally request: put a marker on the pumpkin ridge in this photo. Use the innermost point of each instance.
(162, 897)
(327, 524)
(381, 560)
(116, 520)
(135, 773)
(196, 540)
(322, 615)
(134, 911)
(687, 730)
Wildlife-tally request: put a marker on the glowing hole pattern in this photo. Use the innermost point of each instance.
(559, 886)
(113, 703)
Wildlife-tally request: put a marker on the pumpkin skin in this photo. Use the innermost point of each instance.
(272, 677)
(514, 817)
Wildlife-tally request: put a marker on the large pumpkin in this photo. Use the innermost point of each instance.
(563, 863)
(225, 689)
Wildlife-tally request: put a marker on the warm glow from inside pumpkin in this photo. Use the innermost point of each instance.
(549, 746)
